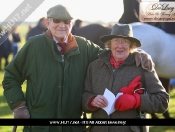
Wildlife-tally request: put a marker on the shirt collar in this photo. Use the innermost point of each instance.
(58, 42)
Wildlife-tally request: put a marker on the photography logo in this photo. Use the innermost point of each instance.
(17, 17)
(157, 12)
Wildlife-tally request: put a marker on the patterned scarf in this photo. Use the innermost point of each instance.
(114, 63)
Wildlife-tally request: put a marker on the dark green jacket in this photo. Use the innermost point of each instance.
(54, 88)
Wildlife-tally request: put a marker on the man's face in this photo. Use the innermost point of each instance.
(60, 29)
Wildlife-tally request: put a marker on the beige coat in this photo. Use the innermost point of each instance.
(100, 76)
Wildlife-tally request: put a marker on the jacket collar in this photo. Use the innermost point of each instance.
(72, 44)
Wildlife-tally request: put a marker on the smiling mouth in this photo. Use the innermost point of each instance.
(60, 30)
(119, 51)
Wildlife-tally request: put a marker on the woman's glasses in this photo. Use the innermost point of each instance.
(122, 42)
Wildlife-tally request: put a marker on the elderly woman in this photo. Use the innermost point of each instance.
(117, 71)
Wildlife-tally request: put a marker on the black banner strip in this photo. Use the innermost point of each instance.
(79, 122)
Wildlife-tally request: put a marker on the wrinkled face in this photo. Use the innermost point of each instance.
(60, 29)
(120, 48)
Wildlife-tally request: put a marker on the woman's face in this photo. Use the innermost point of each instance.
(120, 48)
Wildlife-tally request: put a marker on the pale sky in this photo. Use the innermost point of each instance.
(86, 10)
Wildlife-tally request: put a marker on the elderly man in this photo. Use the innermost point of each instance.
(54, 65)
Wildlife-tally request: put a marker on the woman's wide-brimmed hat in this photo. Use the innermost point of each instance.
(121, 30)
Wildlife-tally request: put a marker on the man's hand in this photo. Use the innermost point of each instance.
(21, 111)
(144, 59)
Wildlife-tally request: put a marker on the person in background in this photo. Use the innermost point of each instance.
(131, 11)
(172, 83)
(16, 40)
(77, 24)
(40, 28)
(29, 27)
(117, 70)
(54, 65)
(5, 49)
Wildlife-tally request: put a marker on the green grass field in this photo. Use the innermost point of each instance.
(5, 111)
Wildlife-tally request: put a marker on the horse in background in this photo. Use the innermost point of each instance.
(159, 45)
(93, 32)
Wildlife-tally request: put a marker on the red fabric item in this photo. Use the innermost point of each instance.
(138, 100)
(89, 104)
(63, 47)
(114, 63)
(135, 84)
(127, 102)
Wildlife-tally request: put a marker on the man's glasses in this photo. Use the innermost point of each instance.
(64, 21)
(122, 42)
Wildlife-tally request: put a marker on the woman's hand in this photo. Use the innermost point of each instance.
(99, 101)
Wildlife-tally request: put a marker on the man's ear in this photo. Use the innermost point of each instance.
(72, 21)
(47, 23)
(72, 24)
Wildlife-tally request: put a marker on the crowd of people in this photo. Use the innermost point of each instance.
(11, 46)
(8, 46)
